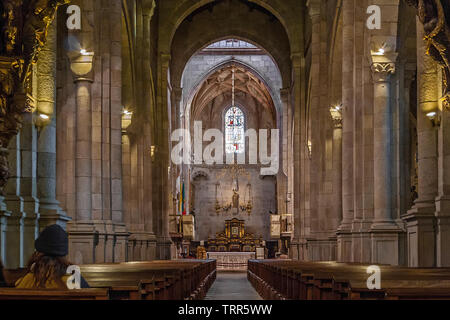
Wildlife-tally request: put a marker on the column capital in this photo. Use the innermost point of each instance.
(165, 58)
(148, 7)
(382, 71)
(336, 115)
(177, 92)
(383, 66)
(297, 59)
(81, 65)
(313, 7)
(284, 94)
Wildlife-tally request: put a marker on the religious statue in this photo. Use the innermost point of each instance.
(235, 199)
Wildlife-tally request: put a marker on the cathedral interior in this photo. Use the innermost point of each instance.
(313, 131)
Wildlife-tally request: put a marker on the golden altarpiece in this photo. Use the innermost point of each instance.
(234, 239)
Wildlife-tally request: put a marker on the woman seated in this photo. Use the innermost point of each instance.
(48, 265)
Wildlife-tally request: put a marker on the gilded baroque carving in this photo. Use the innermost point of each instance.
(23, 26)
(435, 16)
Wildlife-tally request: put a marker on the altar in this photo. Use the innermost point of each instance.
(234, 239)
(233, 247)
(231, 261)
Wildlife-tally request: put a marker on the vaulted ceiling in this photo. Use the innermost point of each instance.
(220, 83)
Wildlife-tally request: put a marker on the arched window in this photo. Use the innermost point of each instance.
(234, 131)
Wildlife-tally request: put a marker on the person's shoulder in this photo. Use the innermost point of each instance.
(27, 281)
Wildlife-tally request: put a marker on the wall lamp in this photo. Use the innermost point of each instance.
(152, 152)
(309, 148)
(434, 118)
(41, 120)
(381, 51)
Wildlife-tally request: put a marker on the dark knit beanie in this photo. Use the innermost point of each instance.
(53, 241)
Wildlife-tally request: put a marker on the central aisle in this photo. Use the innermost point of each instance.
(232, 286)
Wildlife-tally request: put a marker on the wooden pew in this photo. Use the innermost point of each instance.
(154, 280)
(159, 280)
(330, 280)
(47, 294)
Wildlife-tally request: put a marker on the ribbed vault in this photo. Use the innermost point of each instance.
(220, 83)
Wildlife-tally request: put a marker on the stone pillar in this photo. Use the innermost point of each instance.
(282, 177)
(315, 122)
(14, 222)
(83, 165)
(344, 236)
(22, 225)
(337, 163)
(82, 238)
(4, 213)
(298, 244)
(443, 199)
(28, 187)
(420, 219)
(177, 95)
(160, 175)
(384, 231)
(49, 209)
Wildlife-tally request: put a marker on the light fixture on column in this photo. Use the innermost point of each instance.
(84, 52)
(336, 115)
(152, 152)
(41, 120)
(309, 148)
(126, 113)
(126, 119)
(381, 50)
(434, 118)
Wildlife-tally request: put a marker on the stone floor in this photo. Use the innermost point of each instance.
(232, 286)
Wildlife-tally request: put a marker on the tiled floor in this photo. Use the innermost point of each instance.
(232, 286)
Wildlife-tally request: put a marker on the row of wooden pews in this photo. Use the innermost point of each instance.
(295, 280)
(154, 280)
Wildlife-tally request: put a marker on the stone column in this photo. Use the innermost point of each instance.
(420, 219)
(344, 236)
(177, 95)
(443, 199)
(282, 177)
(14, 202)
(28, 187)
(337, 163)
(81, 230)
(161, 182)
(4, 213)
(49, 209)
(21, 200)
(384, 230)
(315, 173)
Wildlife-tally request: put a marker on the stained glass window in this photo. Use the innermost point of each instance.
(234, 131)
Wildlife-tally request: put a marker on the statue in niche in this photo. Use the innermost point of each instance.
(235, 199)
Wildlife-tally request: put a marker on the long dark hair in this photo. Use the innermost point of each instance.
(46, 268)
